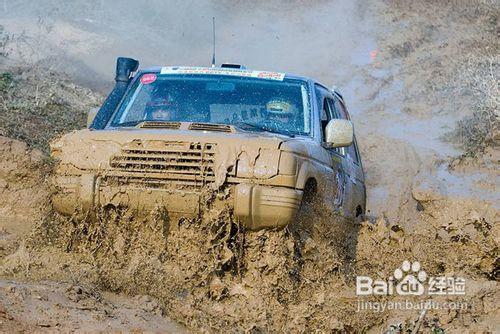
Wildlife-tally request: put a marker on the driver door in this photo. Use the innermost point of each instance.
(338, 177)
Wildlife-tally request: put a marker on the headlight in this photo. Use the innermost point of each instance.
(261, 164)
(288, 164)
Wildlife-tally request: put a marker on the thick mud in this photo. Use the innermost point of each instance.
(211, 275)
(67, 307)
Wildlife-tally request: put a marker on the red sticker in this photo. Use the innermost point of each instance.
(148, 78)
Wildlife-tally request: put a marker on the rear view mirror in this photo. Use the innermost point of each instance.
(339, 133)
(220, 86)
(91, 115)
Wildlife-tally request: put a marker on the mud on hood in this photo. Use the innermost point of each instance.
(93, 150)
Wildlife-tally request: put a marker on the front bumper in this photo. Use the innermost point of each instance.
(255, 206)
(260, 207)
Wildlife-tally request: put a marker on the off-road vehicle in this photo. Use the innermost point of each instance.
(166, 136)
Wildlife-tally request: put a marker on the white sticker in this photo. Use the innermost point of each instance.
(223, 71)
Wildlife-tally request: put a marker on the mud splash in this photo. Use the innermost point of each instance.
(209, 273)
(212, 275)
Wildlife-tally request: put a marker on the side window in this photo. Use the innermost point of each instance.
(352, 150)
(326, 103)
(341, 110)
(326, 115)
(331, 106)
(324, 107)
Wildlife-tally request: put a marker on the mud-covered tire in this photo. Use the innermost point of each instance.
(309, 210)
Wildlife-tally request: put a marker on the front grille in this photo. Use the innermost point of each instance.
(163, 162)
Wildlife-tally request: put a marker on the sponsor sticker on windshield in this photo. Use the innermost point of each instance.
(224, 71)
(148, 78)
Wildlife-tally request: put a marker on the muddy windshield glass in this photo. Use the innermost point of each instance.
(248, 103)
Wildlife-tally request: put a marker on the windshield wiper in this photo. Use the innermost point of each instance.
(126, 124)
(263, 128)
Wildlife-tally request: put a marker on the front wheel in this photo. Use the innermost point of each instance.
(309, 211)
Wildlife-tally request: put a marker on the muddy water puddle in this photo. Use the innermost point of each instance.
(15, 225)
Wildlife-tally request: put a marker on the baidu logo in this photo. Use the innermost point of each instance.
(410, 279)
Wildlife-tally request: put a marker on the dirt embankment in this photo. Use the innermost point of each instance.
(431, 91)
(37, 104)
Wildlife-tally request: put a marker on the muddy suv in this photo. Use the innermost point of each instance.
(167, 136)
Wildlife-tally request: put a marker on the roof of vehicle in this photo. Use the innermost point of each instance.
(234, 70)
(195, 69)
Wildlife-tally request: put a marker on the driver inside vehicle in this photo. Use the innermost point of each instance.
(162, 108)
(281, 113)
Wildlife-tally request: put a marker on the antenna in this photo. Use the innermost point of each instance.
(213, 31)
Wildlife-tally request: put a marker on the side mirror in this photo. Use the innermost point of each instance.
(91, 115)
(339, 133)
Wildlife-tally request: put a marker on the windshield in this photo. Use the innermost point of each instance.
(248, 103)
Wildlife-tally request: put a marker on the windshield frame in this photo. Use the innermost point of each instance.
(135, 82)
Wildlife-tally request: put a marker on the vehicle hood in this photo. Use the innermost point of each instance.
(92, 150)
